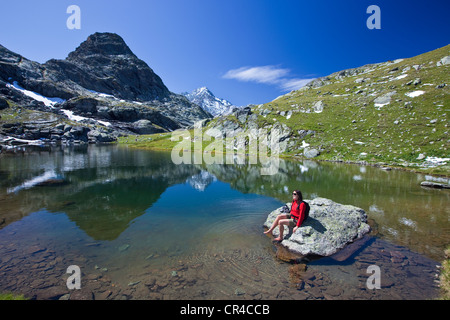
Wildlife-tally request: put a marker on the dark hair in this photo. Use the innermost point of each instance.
(300, 196)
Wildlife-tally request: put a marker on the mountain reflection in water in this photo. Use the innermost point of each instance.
(134, 212)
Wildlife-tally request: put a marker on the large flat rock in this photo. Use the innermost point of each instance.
(329, 228)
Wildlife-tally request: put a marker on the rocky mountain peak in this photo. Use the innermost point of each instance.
(203, 91)
(101, 83)
(108, 44)
(210, 103)
(104, 63)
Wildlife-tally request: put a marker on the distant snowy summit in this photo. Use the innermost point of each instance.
(210, 103)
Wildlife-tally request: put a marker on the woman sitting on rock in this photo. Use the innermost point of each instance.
(294, 219)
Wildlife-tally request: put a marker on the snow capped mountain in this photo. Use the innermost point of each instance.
(206, 99)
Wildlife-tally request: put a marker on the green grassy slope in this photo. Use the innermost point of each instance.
(351, 121)
(400, 130)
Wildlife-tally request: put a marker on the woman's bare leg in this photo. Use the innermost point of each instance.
(275, 223)
(282, 223)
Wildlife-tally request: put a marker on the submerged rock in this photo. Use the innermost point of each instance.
(328, 229)
(56, 182)
(429, 184)
(124, 247)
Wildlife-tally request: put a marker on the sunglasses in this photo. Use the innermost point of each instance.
(294, 194)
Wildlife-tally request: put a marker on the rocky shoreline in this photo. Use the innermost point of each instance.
(415, 167)
(31, 134)
(40, 274)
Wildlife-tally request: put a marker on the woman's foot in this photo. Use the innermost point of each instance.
(268, 232)
(277, 239)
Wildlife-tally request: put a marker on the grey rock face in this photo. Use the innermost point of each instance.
(102, 80)
(445, 60)
(145, 127)
(100, 137)
(311, 153)
(104, 63)
(384, 99)
(241, 114)
(329, 228)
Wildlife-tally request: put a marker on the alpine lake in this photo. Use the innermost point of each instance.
(140, 227)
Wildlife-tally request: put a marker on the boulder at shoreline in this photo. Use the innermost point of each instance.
(430, 184)
(329, 228)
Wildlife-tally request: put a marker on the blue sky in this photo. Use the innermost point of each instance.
(246, 51)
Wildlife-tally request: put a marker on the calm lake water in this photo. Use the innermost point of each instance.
(140, 227)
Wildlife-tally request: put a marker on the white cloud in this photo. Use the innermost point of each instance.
(264, 74)
(271, 75)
